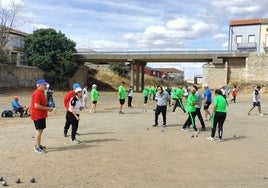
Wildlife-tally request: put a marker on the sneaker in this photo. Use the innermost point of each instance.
(220, 140)
(43, 147)
(183, 129)
(39, 150)
(76, 141)
(211, 139)
(261, 114)
(120, 112)
(203, 129)
(197, 132)
(65, 135)
(164, 125)
(154, 125)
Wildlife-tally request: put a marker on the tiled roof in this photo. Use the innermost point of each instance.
(249, 21)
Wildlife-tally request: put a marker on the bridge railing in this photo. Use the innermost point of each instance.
(126, 51)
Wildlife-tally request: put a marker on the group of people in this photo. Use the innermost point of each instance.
(74, 102)
(193, 106)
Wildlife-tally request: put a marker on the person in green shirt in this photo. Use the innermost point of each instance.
(178, 99)
(145, 93)
(190, 109)
(94, 98)
(122, 96)
(218, 115)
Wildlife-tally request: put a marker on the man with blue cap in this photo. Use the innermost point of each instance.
(39, 113)
(70, 94)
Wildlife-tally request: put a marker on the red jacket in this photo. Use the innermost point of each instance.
(67, 98)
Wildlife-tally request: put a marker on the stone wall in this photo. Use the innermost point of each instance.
(257, 68)
(215, 75)
(253, 69)
(19, 76)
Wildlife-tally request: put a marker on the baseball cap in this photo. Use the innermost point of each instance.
(41, 82)
(77, 90)
(76, 85)
(94, 85)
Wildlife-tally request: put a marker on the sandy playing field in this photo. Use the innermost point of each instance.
(119, 151)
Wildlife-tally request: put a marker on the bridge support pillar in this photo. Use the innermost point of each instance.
(137, 78)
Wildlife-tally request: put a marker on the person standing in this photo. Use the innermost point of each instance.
(122, 96)
(85, 97)
(179, 95)
(162, 98)
(256, 100)
(66, 101)
(198, 108)
(50, 99)
(219, 115)
(94, 98)
(234, 93)
(207, 101)
(145, 93)
(191, 110)
(73, 113)
(130, 96)
(169, 89)
(39, 112)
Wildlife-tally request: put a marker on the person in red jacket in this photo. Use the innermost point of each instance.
(234, 93)
(39, 111)
(66, 100)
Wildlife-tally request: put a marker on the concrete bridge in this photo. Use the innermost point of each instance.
(141, 58)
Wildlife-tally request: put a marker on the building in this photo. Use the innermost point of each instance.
(13, 41)
(249, 35)
(164, 73)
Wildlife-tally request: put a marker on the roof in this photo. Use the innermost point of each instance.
(253, 21)
(13, 31)
(168, 70)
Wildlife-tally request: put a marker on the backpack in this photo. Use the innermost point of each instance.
(7, 113)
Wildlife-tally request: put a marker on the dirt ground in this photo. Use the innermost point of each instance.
(126, 151)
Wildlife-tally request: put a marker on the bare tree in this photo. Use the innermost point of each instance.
(8, 16)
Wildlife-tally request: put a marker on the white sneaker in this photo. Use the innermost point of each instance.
(261, 114)
(76, 141)
(210, 138)
(197, 132)
(220, 140)
(182, 129)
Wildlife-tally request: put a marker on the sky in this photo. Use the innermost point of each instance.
(144, 25)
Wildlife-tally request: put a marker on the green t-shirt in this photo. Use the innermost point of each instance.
(145, 92)
(220, 103)
(173, 93)
(94, 95)
(122, 92)
(190, 104)
(179, 93)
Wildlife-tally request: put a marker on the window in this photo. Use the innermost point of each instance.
(238, 39)
(251, 38)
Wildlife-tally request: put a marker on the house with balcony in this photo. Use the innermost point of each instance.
(249, 35)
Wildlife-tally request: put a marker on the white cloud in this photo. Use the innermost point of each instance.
(220, 36)
(171, 34)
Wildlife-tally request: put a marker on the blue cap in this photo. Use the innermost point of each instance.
(76, 85)
(41, 82)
